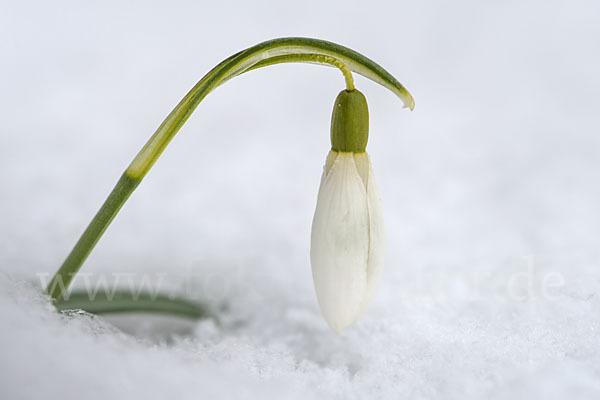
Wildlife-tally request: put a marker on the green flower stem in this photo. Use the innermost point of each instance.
(119, 195)
(266, 53)
(126, 301)
(308, 58)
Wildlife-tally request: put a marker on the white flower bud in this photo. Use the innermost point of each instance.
(347, 240)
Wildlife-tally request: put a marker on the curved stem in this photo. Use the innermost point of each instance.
(244, 61)
(263, 54)
(309, 58)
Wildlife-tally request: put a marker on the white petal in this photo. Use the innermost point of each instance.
(376, 228)
(340, 242)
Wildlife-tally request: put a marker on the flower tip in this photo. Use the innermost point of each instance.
(338, 326)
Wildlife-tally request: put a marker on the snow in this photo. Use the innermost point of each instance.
(491, 285)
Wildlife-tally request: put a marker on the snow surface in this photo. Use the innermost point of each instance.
(491, 287)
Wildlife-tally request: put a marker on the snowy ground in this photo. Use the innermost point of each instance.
(491, 287)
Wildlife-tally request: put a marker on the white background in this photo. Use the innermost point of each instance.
(491, 286)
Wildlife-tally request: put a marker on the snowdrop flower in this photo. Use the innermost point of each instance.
(347, 235)
(347, 240)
